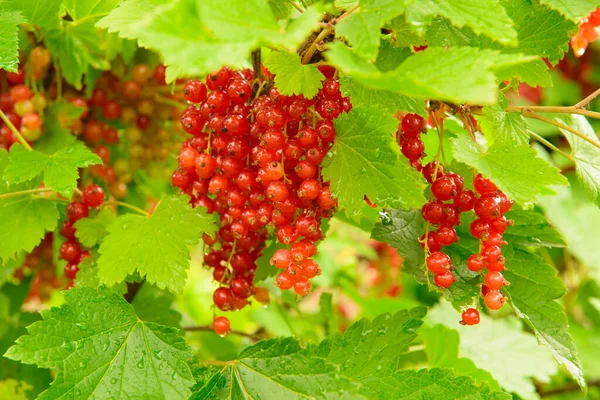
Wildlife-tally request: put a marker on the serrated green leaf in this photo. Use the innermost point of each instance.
(292, 77)
(68, 339)
(91, 231)
(534, 73)
(77, 46)
(402, 230)
(442, 349)
(362, 96)
(573, 10)
(540, 31)
(88, 276)
(43, 13)
(523, 181)
(487, 17)
(530, 228)
(586, 155)
(157, 245)
(60, 170)
(9, 40)
(364, 160)
(441, 33)
(89, 9)
(218, 32)
(405, 34)
(431, 74)
(14, 390)
(504, 126)
(506, 343)
(362, 30)
(361, 364)
(281, 8)
(24, 219)
(534, 288)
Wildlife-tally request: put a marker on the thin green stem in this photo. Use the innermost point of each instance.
(555, 109)
(165, 100)
(24, 192)
(208, 328)
(551, 146)
(14, 130)
(296, 6)
(126, 205)
(560, 125)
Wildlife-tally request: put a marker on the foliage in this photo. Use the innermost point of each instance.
(91, 95)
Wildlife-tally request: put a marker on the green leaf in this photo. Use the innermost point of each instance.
(154, 305)
(56, 137)
(402, 229)
(517, 355)
(89, 9)
(68, 339)
(530, 228)
(405, 34)
(60, 170)
(487, 17)
(362, 30)
(43, 13)
(534, 73)
(441, 33)
(14, 390)
(217, 32)
(91, 231)
(504, 126)
(157, 245)
(431, 74)
(9, 40)
(88, 276)
(523, 181)
(364, 160)
(534, 288)
(540, 31)
(360, 364)
(364, 97)
(574, 218)
(350, 363)
(586, 155)
(442, 349)
(24, 219)
(573, 10)
(264, 269)
(292, 77)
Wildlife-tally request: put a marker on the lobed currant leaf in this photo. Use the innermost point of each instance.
(24, 219)
(573, 10)
(59, 170)
(68, 339)
(157, 245)
(364, 161)
(91, 231)
(292, 77)
(523, 181)
(498, 124)
(43, 13)
(9, 41)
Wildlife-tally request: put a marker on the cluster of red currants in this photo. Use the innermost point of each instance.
(587, 33)
(256, 163)
(70, 250)
(443, 213)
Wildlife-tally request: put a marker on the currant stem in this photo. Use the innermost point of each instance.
(551, 146)
(588, 99)
(24, 192)
(257, 63)
(170, 102)
(555, 109)
(296, 6)
(126, 205)
(15, 131)
(560, 125)
(208, 328)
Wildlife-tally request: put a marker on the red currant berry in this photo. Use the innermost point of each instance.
(444, 188)
(494, 300)
(445, 235)
(221, 325)
(483, 185)
(494, 280)
(93, 195)
(70, 251)
(223, 299)
(470, 317)
(77, 210)
(439, 263)
(444, 280)
(465, 200)
(475, 262)
(412, 124)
